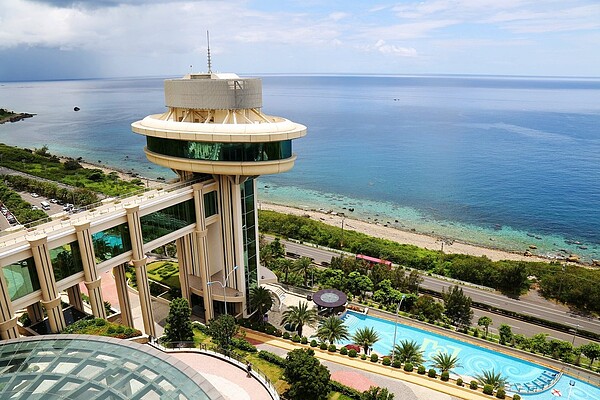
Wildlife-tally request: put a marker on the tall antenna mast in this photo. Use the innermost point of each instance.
(208, 53)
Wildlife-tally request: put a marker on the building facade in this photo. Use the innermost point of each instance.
(215, 136)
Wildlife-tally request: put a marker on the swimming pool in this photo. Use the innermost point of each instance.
(472, 359)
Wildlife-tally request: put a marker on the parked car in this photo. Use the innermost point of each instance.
(35, 195)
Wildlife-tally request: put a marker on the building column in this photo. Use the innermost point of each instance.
(50, 296)
(185, 266)
(199, 238)
(139, 262)
(88, 259)
(8, 320)
(123, 295)
(75, 300)
(35, 312)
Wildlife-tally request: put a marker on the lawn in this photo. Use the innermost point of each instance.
(165, 272)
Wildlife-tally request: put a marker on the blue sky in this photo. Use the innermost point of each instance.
(64, 39)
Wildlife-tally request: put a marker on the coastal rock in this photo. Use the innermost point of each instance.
(16, 117)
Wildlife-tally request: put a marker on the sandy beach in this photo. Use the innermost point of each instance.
(396, 235)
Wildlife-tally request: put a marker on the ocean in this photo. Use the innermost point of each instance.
(503, 162)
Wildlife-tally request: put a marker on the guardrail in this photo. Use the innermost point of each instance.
(230, 357)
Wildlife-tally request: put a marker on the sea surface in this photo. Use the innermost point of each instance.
(504, 162)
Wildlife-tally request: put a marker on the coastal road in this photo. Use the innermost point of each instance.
(530, 305)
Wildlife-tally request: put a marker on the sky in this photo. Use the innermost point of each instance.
(65, 39)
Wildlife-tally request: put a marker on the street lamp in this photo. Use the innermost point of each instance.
(571, 384)
(575, 334)
(223, 285)
(395, 328)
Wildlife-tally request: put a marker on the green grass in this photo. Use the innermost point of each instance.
(165, 272)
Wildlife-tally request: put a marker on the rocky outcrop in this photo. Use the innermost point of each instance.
(16, 117)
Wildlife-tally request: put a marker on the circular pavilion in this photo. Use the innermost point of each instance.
(330, 299)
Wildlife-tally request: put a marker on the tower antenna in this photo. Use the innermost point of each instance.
(208, 53)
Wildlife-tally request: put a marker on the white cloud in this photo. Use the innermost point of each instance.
(384, 48)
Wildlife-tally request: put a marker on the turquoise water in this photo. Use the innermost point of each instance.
(473, 359)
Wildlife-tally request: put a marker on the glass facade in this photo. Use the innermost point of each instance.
(167, 220)
(249, 233)
(111, 242)
(210, 204)
(66, 260)
(221, 151)
(21, 278)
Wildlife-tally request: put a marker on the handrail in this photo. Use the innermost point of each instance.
(230, 357)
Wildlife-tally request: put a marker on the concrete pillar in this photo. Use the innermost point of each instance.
(50, 296)
(35, 312)
(123, 295)
(139, 262)
(185, 266)
(200, 250)
(75, 299)
(88, 259)
(8, 320)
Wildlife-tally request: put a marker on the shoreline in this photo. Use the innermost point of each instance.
(16, 117)
(401, 236)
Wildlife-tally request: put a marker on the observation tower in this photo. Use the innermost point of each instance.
(215, 135)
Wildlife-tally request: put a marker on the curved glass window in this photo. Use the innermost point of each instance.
(111, 242)
(221, 151)
(21, 278)
(167, 220)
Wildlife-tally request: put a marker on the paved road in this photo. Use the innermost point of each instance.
(530, 305)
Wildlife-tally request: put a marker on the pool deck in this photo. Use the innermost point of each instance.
(366, 366)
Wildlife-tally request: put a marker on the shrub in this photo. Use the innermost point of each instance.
(516, 397)
(397, 364)
(352, 353)
(25, 320)
(459, 382)
(323, 346)
(243, 344)
(500, 393)
(408, 367)
(304, 340)
(286, 335)
(343, 351)
(432, 373)
(445, 376)
(313, 343)
(421, 370)
(488, 389)
(473, 385)
(475, 332)
(272, 358)
(386, 361)
(353, 346)
(363, 356)
(99, 322)
(296, 338)
(374, 357)
(332, 348)
(335, 386)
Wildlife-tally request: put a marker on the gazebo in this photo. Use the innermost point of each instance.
(330, 299)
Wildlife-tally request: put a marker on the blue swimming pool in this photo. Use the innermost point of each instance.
(473, 359)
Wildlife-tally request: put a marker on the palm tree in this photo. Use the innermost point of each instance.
(300, 315)
(365, 337)
(445, 362)
(491, 378)
(485, 322)
(332, 329)
(408, 351)
(303, 265)
(261, 300)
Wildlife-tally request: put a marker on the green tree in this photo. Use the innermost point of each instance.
(485, 322)
(457, 306)
(376, 393)
(539, 344)
(506, 334)
(308, 379)
(427, 308)
(490, 377)
(408, 351)
(332, 329)
(591, 351)
(358, 283)
(303, 266)
(178, 327)
(285, 266)
(413, 281)
(512, 278)
(222, 330)
(300, 315)
(445, 362)
(261, 300)
(365, 337)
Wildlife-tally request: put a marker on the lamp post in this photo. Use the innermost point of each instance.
(223, 285)
(575, 334)
(396, 328)
(571, 384)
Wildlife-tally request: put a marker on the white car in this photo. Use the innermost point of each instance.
(35, 195)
